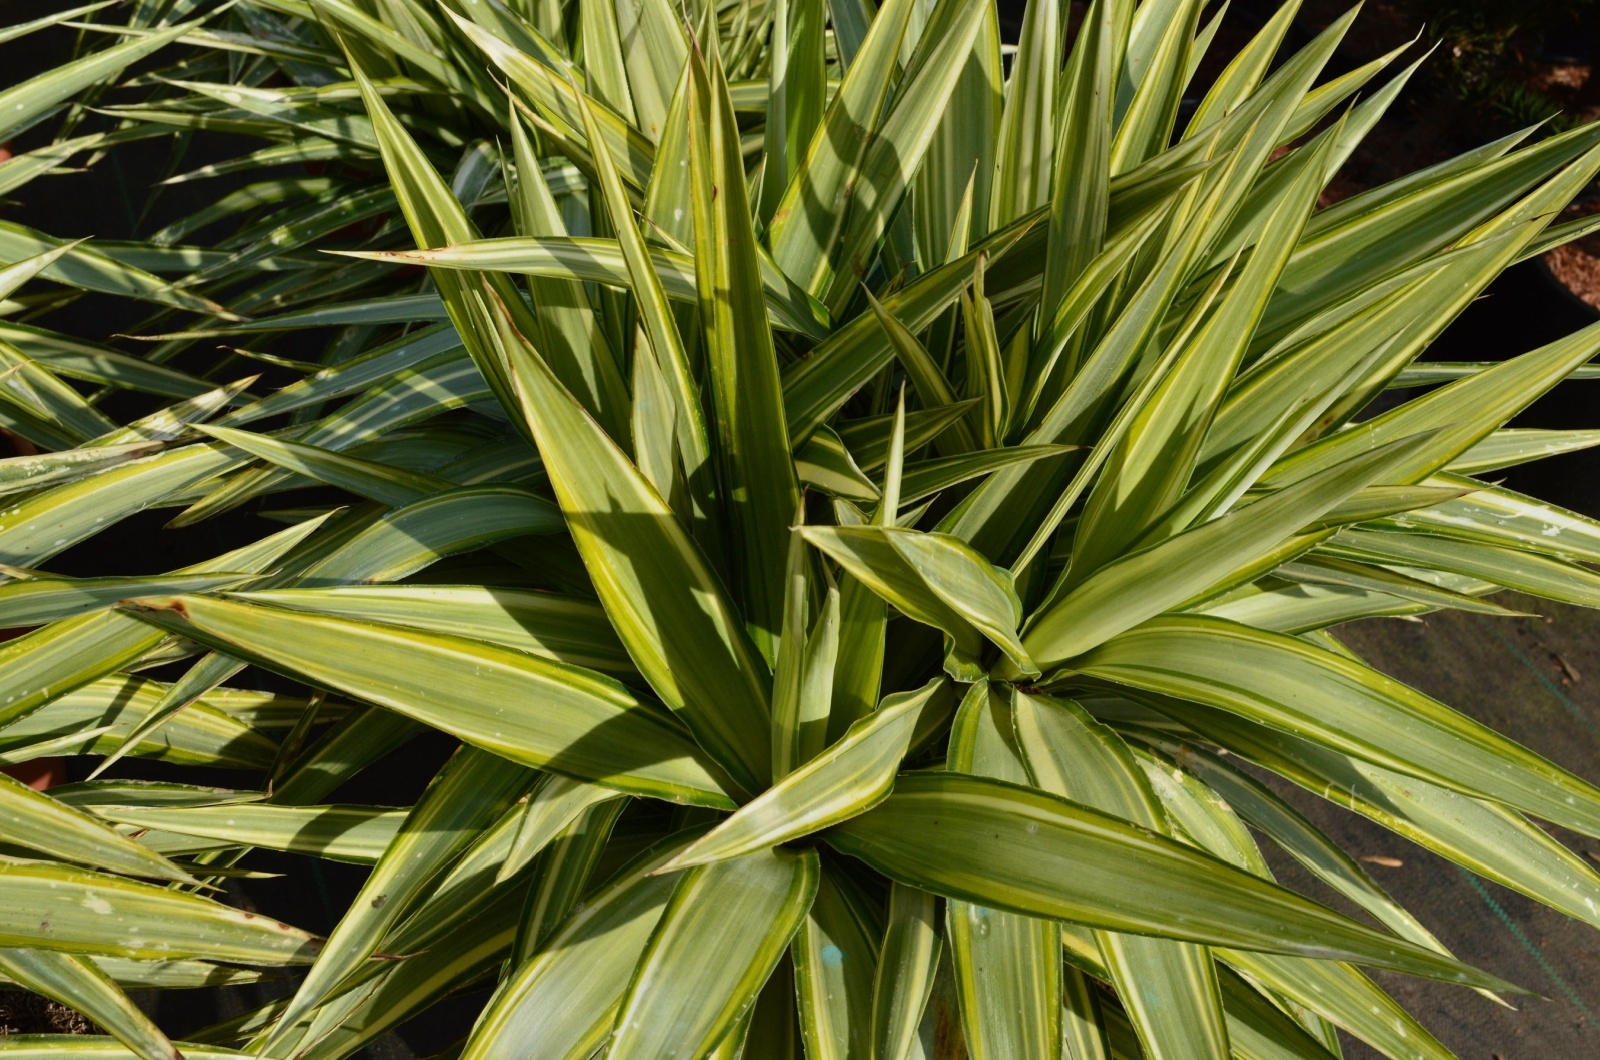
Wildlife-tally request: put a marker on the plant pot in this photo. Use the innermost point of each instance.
(1573, 269)
(1577, 301)
(41, 774)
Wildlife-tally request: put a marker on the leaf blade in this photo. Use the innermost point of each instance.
(440, 693)
(893, 837)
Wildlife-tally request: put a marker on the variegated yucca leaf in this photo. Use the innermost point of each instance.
(856, 488)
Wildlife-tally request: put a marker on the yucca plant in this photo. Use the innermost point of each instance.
(869, 502)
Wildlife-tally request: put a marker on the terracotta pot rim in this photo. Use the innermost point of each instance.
(41, 774)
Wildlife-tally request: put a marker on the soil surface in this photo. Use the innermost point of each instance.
(1536, 680)
(23, 1013)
